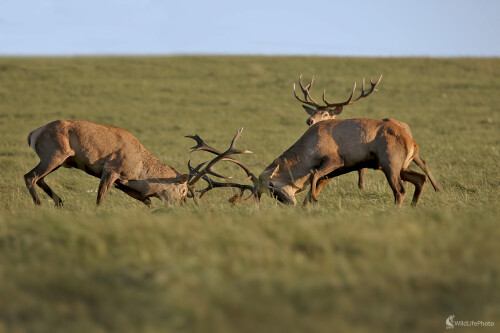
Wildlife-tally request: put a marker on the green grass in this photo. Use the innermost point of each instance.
(354, 262)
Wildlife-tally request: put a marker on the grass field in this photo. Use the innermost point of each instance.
(353, 262)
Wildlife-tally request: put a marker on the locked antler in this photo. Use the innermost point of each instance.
(200, 172)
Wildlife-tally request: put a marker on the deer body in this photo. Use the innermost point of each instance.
(330, 111)
(334, 147)
(109, 153)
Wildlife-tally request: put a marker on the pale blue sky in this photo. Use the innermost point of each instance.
(359, 28)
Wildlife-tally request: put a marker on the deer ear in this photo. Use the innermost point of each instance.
(309, 110)
(183, 178)
(336, 111)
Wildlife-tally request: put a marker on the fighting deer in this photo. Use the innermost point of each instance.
(195, 174)
(328, 149)
(331, 110)
(333, 147)
(116, 157)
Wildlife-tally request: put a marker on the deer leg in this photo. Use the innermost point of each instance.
(361, 179)
(43, 185)
(416, 179)
(396, 185)
(324, 169)
(422, 164)
(133, 193)
(36, 176)
(320, 185)
(107, 179)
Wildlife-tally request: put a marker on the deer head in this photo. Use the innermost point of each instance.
(329, 110)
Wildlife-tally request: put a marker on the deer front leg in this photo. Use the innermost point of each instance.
(361, 179)
(133, 193)
(326, 166)
(320, 185)
(107, 179)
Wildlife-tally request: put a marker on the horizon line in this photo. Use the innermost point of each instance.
(236, 54)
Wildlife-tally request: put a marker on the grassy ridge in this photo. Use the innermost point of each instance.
(353, 262)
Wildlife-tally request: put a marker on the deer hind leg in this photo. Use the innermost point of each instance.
(422, 164)
(361, 178)
(43, 185)
(416, 179)
(36, 176)
(396, 185)
(107, 179)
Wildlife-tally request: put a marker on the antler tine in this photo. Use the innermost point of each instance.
(194, 171)
(233, 150)
(201, 145)
(374, 85)
(372, 89)
(197, 168)
(305, 90)
(309, 86)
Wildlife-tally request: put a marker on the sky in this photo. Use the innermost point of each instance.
(436, 28)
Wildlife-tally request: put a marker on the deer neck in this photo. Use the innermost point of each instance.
(152, 167)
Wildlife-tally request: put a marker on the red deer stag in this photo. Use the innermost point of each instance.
(333, 147)
(117, 158)
(331, 110)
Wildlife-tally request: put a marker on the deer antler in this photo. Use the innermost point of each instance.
(305, 90)
(363, 94)
(213, 184)
(201, 145)
(195, 174)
